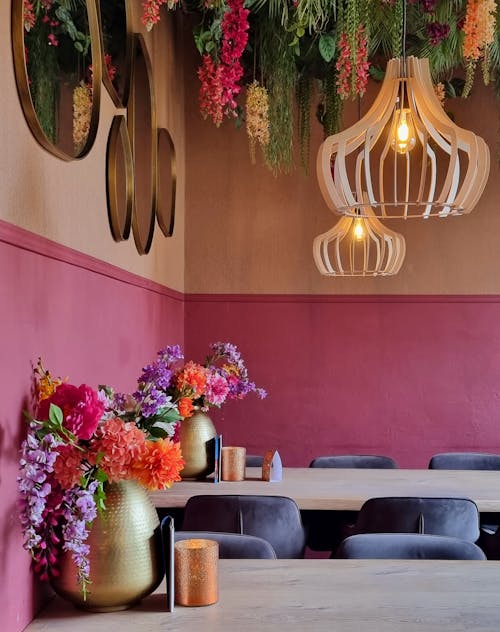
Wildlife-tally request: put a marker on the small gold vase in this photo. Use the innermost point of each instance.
(125, 553)
(196, 436)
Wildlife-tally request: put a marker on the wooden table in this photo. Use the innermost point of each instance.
(347, 489)
(315, 595)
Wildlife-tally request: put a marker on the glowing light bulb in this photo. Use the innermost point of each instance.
(359, 230)
(404, 139)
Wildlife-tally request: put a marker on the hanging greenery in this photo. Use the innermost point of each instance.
(329, 48)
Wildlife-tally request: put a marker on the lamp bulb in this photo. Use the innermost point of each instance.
(359, 230)
(404, 140)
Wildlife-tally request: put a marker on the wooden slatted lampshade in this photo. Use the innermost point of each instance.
(405, 157)
(359, 246)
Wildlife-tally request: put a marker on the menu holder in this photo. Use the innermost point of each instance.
(272, 469)
(167, 531)
(218, 458)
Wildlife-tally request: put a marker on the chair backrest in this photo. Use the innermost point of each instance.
(233, 545)
(274, 518)
(254, 460)
(407, 546)
(372, 461)
(454, 517)
(465, 461)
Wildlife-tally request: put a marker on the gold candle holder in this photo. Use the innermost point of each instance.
(233, 463)
(196, 562)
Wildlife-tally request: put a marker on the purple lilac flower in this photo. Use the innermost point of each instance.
(158, 374)
(79, 511)
(170, 354)
(151, 400)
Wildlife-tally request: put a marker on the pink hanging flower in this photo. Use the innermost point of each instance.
(344, 67)
(151, 11)
(220, 83)
(362, 64)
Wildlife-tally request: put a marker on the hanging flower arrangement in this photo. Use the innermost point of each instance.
(291, 45)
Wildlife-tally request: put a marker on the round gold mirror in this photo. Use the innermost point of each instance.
(166, 183)
(57, 64)
(142, 132)
(119, 179)
(115, 18)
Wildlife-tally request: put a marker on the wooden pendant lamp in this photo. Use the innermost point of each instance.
(405, 157)
(359, 246)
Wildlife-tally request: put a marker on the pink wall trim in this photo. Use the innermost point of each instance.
(26, 240)
(89, 321)
(408, 376)
(342, 298)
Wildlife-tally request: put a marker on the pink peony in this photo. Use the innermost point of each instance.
(80, 406)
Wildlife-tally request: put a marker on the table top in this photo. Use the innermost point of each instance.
(316, 595)
(347, 489)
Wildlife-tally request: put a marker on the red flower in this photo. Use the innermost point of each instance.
(80, 406)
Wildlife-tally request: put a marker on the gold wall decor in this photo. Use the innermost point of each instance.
(115, 21)
(119, 179)
(57, 63)
(166, 182)
(141, 119)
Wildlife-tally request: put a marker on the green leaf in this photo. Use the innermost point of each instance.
(209, 46)
(300, 31)
(326, 46)
(158, 432)
(55, 415)
(79, 47)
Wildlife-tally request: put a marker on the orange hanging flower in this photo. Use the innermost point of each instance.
(159, 464)
(479, 27)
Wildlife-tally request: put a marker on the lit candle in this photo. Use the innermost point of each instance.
(196, 564)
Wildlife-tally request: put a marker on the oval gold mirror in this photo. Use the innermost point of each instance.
(57, 64)
(119, 179)
(142, 132)
(166, 183)
(115, 17)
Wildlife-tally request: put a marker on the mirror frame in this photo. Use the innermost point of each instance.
(120, 219)
(165, 209)
(22, 81)
(143, 246)
(120, 102)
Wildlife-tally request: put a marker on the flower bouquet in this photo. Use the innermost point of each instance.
(75, 444)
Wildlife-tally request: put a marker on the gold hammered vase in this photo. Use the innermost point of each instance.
(125, 553)
(196, 436)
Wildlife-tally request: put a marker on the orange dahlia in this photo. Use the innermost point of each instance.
(159, 464)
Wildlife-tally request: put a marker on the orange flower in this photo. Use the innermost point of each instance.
(159, 464)
(68, 466)
(185, 406)
(479, 27)
(117, 443)
(193, 378)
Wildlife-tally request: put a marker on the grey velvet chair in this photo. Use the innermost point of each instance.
(465, 461)
(326, 529)
(233, 545)
(407, 546)
(368, 461)
(254, 460)
(470, 461)
(454, 517)
(274, 518)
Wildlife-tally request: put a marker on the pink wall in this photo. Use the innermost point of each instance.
(403, 376)
(88, 320)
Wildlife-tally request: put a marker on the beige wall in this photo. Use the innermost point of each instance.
(66, 202)
(250, 232)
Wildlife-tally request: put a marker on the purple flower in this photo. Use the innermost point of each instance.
(158, 374)
(170, 354)
(437, 32)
